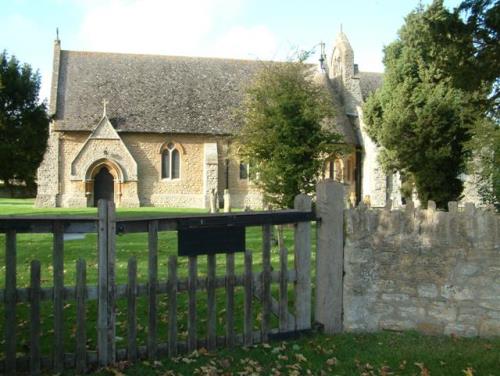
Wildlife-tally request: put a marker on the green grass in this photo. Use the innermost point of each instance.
(378, 354)
(347, 354)
(25, 207)
(39, 247)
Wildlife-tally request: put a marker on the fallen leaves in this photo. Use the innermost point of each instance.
(331, 362)
(469, 371)
(423, 369)
(300, 358)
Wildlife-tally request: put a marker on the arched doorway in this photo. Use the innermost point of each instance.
(104, 186)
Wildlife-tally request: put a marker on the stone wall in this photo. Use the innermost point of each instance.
(374, 179)
(437, 272)
(63, 179)
(48, 174)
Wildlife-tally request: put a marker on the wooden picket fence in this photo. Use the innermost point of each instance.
(256, 284)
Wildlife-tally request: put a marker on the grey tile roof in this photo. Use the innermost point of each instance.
(153, 93)
(343, 124)
(369, 82)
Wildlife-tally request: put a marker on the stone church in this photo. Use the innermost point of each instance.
(148, 130)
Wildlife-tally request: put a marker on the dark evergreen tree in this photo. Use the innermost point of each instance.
(24, 122)
(483, 21)
(430, 100)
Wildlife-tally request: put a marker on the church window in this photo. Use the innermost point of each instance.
(175, 164)
(170, 162)
(243, 171)
(330, 170)
(338, 171)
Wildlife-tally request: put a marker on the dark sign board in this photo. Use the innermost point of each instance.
(210, 240)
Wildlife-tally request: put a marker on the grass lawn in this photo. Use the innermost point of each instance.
(39, 246)
(379, 354)
(25, 206)
(385, 353)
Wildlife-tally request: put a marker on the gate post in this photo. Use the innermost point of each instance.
(106, 237)
(302, 247)
(329, 255)
(111, 259)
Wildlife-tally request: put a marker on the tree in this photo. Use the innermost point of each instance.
(482, 18)
(24, 122)
(483, 21)
(485, 164)
(422, 115)
(287, 116)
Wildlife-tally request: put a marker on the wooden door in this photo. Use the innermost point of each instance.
(103, 186)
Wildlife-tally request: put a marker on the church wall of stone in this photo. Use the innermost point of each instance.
(187, 191)
(374, 180)
(470, 192)
(48, 174)
(72, 193)
(148, 186)
(343, 74)
(244, 192)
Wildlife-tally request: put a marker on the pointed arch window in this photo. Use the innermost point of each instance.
(243, 171)
(170, 163)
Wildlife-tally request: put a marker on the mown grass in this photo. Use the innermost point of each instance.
(25, 207)
(377, 354)
(39, 247)
(347, 354)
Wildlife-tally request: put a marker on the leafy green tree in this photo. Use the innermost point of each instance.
(287, 132)
(24, 122)
(422, 115)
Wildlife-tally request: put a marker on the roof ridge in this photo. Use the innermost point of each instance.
(137, 54)
(371, 72)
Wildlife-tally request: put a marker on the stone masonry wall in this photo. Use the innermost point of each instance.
(150, 188)
(437, 272)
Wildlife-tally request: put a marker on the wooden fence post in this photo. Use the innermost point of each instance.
(152, 288)
(58, 263)
(106, 283)
(330, 255)
(132, 310)
(34, 297)
(111, 265)
(302, 239)
(10, 302)
(81, 335)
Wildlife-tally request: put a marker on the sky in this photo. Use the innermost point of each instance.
(245, 29)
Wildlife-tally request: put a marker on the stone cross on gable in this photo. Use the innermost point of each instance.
(104, 103)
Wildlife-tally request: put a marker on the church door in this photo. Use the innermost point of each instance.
(103, 186)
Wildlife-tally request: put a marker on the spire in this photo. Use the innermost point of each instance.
(342, 40)
(57, 41)
(104, 103)
(322, 55)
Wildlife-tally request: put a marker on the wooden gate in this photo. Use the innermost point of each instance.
(256, 281)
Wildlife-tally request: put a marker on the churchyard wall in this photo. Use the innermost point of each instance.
(433, 271)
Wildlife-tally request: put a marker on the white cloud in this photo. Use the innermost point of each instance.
(152, 26)
(256, 42)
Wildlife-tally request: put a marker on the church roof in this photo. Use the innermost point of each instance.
(151, 93)
(369, 82)
(342, 122)
(154, 93)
